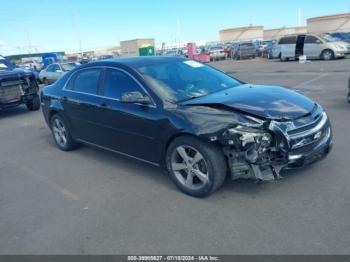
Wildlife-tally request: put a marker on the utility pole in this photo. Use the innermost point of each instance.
(77, 31)
(299, 16)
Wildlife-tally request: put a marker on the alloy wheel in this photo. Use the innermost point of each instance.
(190, 167)
(327, 55)
(60, 132)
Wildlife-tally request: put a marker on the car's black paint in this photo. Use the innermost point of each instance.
(264, 101)
(145, 131)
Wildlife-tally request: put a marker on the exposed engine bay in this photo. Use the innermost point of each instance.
(261, 151)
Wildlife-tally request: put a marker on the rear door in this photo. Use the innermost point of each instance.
(49, 73)
(288, 45)
(82, 104)
(55, 73)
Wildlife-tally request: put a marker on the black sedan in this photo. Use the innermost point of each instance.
(196, 121)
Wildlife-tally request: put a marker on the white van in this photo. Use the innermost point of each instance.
(312, 46)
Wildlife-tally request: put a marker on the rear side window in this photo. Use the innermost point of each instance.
(86, 81)
(117, 83)
(288, 40)
(311, 39)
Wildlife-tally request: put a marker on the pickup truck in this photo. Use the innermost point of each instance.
(17, 87)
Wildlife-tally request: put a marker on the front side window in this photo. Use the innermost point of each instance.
(116, 83)
(182, 80)
(50, 68)
(311, 40)
(86, 81)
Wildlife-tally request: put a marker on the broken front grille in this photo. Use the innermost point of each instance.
(11, 91)
(309, 136)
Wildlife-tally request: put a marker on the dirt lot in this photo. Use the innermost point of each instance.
(93, 202)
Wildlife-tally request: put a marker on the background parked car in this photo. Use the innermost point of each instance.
(343, 40)
(243, 50)
(33, 70)
(342, 36)
(261, 47)
(268, 49)
(312, 46)
(54, 71)
(17, 87)
(216, 52)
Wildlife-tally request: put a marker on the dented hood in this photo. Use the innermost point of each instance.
(270, 102)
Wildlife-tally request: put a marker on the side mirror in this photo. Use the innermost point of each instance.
(318, 41)
(136, 98)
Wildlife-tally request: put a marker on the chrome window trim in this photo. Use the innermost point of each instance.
(153, 105)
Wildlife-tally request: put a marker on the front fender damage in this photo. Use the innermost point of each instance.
(243, 139)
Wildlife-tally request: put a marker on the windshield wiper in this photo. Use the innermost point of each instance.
(189, 98)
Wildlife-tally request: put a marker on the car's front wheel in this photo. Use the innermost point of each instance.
(327, 55)
(196, 167)
(61, 133)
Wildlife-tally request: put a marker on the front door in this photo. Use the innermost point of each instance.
(128, 128)
(313, 46)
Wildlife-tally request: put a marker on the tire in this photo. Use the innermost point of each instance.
(45, 82)
(34, 104)
(349, 97)
(327, 55)
(203, 169)
(283, 59)
(61, 133)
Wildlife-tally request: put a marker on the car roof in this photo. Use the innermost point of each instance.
(135, 62)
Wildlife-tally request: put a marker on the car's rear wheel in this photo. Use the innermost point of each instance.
(34, 103)
(61, 133)
(196, 167)
(327, 55)
(45, 82)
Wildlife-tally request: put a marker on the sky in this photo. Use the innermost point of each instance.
(68, 25)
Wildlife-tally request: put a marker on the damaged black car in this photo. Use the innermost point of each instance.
(17, 87)
(199, 123)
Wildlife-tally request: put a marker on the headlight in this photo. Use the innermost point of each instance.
(340, 47)
(251, 135)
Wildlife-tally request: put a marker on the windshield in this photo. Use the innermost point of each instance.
(329, 38)
(183, 80)
(68, 67)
